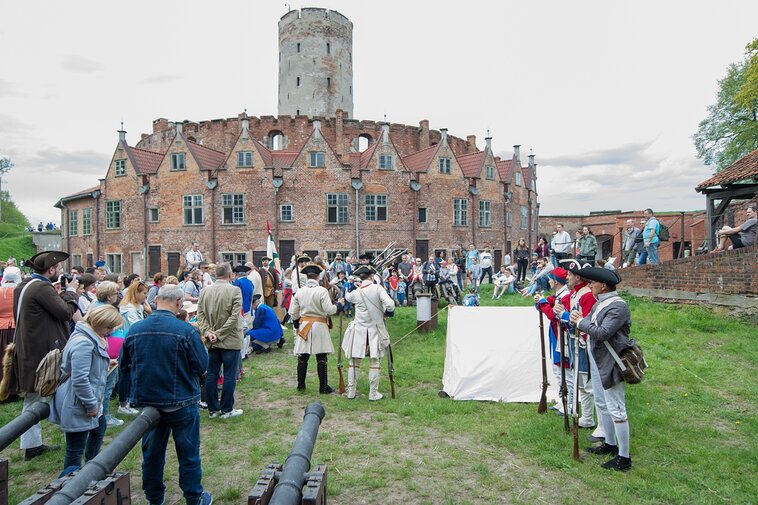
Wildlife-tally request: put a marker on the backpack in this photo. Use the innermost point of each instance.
(663, 232)
(48, 375)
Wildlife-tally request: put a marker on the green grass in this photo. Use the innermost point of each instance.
(693, 424)
(15, 241)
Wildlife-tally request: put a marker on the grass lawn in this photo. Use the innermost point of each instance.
(693, 424)
(15, 241)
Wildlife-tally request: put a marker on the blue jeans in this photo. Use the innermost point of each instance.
(184, 425)
(86, 442)
(230, 359)
(110, 383)
(652, 253)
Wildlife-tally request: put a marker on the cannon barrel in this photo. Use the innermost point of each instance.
(36, 412)
(289, 489)
(108, 459)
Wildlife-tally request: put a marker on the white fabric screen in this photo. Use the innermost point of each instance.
(493, 353)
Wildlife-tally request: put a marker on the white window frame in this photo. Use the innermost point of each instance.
(445, 164)
(291, 210)
(178, 162)
(386, 162)
(373, 205)
(460, 212)
(150, 212)
(245, 159)
(234, 205)
(113, 214)
(316, 159)
(519, 178)
(119, 169)
(236, 257)
(490, 172)
(485, 214)
(340, 202)
(196, 202)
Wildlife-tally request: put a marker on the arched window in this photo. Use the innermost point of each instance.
(276, 140)
(363, 142)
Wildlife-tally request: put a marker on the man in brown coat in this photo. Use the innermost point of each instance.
(270, 280)
(42, 324)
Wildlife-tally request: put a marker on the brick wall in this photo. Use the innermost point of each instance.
(727, 278)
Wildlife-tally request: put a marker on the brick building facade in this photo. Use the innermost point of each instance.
(220, 181)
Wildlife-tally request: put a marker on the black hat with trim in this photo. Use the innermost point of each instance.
(303, 258)
(366, 256)
(604, 275)
(364, 270)
(241, 269)
(574, 266)
(311, 268)
(266, 258)
(46, 259)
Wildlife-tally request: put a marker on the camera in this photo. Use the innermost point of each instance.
(66, 278)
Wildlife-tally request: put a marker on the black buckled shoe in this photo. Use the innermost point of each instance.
(281, 342)
(603, 449)
(619, 463)
(30, 454)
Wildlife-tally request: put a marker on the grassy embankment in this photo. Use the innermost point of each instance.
(693, 423)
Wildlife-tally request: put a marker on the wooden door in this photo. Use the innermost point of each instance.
(173, 262)
(153, 260)
(422, 249)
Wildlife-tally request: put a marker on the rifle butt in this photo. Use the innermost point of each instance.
(342, 381)
(542, 407)
(392, 389)
(575, 433)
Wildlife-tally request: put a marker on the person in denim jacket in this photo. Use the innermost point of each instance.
(167, 359)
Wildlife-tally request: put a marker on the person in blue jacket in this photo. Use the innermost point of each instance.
(266, 327)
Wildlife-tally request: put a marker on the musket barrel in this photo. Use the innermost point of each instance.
(36, 412)
(289, 489)
(108, 459)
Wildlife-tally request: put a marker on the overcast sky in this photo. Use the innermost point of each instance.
(606, 94)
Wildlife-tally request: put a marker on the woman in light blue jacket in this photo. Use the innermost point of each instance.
(78, 403)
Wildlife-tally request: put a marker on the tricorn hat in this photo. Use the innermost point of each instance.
(363, 270)
(366, 256)
(558, 275)
(257, 297)
(241, 269)
(46, 259)
(311, 268)
(303, 258)
(266, 258)
(574, 266)
(597, 274)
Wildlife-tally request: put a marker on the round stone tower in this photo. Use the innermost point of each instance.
(315, 63)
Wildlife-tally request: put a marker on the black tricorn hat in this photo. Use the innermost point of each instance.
(266, 258)
(257, 297)
(604, 275)
(574, 266)
(46, 259)
(303, 258)
(364, 269)
(366, 256)
(241, 269)
(311, 268)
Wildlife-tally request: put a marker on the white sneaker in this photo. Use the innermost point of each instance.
(375, 397)
(231, 413)
(128, 411)
(113, 421)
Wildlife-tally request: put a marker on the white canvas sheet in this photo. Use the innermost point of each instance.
(493, 353)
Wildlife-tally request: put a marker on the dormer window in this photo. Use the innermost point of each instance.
(444, 165)
(386, 161)
(178, 162)
(490, 173)
(120, 168)
(245, 159)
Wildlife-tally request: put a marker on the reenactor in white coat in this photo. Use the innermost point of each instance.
(310, 310)
(367, 333)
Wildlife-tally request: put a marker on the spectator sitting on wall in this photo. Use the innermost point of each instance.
(742, 235)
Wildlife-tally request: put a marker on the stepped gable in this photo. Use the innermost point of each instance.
(144, 162)
(743, 169)
(471, 164)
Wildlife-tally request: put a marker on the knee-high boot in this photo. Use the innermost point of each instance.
(373, 380)
(302, 369)
(323, 384)
(352, 375)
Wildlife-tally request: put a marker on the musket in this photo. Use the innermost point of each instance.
(542, 407)
(564, 387)
(339, 360)
(375, 261)
(391, 370)
(574, 400)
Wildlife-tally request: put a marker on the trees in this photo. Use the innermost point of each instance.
(5, 165)
(731, 129)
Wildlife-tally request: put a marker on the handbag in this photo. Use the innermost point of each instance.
(631, 361)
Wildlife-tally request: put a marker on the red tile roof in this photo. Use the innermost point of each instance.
(471, 164)
(145, 162)
(419, 161)
(207, 158)
(283, 159)
(505, 170)
(365, 157)
(527, 177)
(743, 169)
(85, 193)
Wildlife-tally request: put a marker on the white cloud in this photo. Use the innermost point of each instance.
(81, 64)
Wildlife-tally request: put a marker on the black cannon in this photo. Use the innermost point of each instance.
(293, 485)
(11, 431)
(104, 463)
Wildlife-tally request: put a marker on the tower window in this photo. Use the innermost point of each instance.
(298, 81)
(328, 48)
(298, 112)
(298, 47)
(328, 82)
